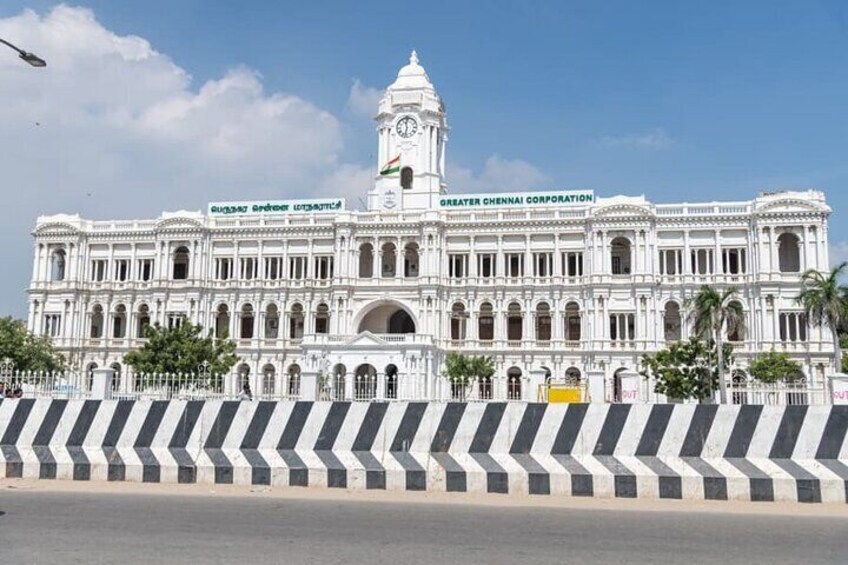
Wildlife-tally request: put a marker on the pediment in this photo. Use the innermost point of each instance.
(365, 338)
(178, 223)
(788, 205)
(622, 210)
(56, 228)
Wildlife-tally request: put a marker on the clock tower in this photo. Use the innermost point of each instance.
(412, 132)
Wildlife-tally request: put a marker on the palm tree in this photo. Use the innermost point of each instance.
(710, 311)
(822, 298)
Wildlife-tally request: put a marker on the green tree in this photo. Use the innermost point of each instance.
(461, 369)
(711, 312)
(772, 367)
(27, 352)
(685, 370)
(181, 351)
(481, 367)
(823, 299)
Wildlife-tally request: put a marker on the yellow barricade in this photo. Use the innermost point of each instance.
(561, 393)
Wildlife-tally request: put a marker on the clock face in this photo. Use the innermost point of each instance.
(407, 126)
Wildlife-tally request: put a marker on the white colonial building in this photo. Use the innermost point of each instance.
(560, 285)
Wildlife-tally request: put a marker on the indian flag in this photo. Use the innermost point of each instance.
(392, 166)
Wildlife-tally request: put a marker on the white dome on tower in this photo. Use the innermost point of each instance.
(412, 76)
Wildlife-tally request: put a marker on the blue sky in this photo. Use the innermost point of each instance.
(676, 100)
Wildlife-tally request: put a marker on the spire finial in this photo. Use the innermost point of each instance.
(413, 58)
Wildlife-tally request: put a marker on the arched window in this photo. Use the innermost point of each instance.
(119, 322)
(294, 380)
(180, 271)
(391, 382)
(222, 322)
(620, 256)
(247, 319)
(272, 322)
(736, 332)
(389, 261)
(243, 377)
(339, 375)
(365, 382)
(458, 320)
(406, 177)
(410, 260)
(57, 265)
(116, 376)
(296, 322)
(322, 319)
(484, 388)
(143, 320)
(89, 375)
(793, 326)
(513, 384)
(486, 322)
(514, 321)
(97, 322)
(671, 321)
(366, 261)
(738, 385)
(789, 253)
(572, 321)
(269, 380)
(543, 322)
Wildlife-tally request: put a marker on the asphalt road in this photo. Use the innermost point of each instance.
(97, 527)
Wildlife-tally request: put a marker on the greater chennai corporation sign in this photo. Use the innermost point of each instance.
(519, 199)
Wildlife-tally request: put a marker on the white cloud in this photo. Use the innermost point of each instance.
(654, 139)
(112, 128)
(363, 100)
(838, 252)
(498, 175)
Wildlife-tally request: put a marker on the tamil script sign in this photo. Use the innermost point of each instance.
(276, 207)
(519, 199)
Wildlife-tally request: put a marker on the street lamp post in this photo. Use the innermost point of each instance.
(30, 58)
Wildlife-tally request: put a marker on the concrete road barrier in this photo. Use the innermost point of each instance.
(758, 453)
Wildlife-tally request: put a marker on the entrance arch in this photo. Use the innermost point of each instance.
(386, 317)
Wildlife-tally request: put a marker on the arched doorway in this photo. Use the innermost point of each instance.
(738, 386)
(294, 380)
(338, 386)
(617, 395)
(116, 376)
(365, 382)
(391, 382)
(513, 384)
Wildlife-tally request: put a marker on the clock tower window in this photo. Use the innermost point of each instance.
(406, 177)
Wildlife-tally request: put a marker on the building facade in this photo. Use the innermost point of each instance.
(552, 285)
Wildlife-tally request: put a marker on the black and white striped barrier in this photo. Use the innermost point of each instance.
(794, 453)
